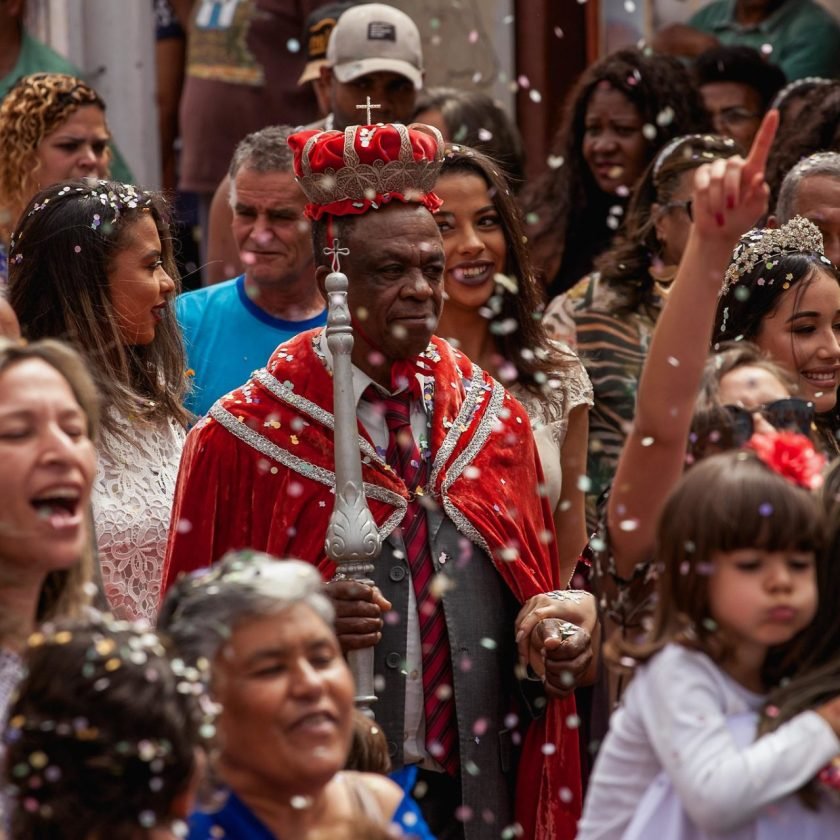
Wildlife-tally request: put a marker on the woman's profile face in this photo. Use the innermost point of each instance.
(803, 335)
(78, 148)
(672, 220)
(287, 703)
(48, 468)
(614, 148)
(138, 283)
(473, 240)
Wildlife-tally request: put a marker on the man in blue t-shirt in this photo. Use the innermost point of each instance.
(231, 329)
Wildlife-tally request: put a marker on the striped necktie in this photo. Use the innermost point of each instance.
(403, 456)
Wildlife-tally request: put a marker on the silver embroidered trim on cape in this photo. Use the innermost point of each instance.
(305, 406)
(479, 438)
(460, 423)
(323, 476)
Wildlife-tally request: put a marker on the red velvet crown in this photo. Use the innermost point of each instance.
(349, 172)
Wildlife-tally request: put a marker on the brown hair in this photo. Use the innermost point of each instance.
(474, 119)
(626, 266)
(815, 129)
(35, 107)
(119, 724)
(527, 346)
(727, 502)
(59, 263)
(816, 677)
(368, 748)
(63, 592)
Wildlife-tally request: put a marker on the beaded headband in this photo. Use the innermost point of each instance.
(119, 197)
(767, 245)
(111, 194)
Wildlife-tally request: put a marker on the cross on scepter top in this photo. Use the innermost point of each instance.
(368, 107)
(336, 251)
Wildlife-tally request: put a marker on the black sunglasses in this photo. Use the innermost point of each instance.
(791, 414)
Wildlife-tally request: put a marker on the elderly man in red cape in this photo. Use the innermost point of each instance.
(452, 478)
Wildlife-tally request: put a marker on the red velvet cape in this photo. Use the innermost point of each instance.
(258, 472)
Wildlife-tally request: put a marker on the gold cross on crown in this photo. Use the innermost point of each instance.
(368, 106)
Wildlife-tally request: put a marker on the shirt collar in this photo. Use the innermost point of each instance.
(360, 379)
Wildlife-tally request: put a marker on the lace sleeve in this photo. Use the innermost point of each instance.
(575, 384)
(132, 503)
(566, 388)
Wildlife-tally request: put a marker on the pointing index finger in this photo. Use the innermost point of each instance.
(757, 159)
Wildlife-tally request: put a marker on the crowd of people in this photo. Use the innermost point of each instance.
(451, 502)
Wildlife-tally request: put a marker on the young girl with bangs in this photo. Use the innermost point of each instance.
(737, 579)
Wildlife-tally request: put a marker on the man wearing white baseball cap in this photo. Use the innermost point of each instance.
(374, 51)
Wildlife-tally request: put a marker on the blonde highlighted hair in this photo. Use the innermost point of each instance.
(35, 107)
(64, 592)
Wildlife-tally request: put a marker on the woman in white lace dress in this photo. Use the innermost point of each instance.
(492, 312)
(92, 263)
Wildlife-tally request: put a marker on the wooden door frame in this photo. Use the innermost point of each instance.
(551, 64)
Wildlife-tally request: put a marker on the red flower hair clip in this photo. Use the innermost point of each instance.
(792, 456)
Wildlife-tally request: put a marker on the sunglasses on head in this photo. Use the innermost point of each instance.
(791, 414)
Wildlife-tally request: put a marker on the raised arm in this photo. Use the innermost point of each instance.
(729, 197)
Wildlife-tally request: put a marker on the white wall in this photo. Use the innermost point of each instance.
(113, 43)
(467, 43)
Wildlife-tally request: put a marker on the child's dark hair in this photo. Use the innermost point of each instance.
(727, 502)
(369, 748)
(103, 734)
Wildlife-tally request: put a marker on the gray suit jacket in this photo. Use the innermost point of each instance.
(480, 613)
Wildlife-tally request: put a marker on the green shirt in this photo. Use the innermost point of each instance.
(805, 37)
(37, 57)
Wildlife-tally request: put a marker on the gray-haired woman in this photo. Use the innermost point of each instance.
(286, 695)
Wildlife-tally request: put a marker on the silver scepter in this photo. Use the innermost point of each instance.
(352, 542)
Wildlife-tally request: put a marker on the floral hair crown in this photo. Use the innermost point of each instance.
(767, 245)
(790, 455)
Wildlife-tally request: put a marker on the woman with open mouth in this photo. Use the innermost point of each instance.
(622, 111)
(49, 415)
(92, 263)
